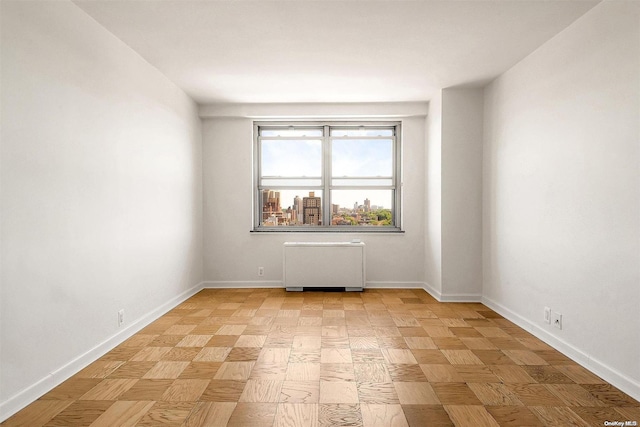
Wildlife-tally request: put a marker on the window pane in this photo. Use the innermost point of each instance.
(296, 158)
(290, 132)
(361, 132)
(343, 182)
(281, 208)
(290, 182)
(362, 157)
(362, 207)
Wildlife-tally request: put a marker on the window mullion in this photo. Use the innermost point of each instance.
(326, 190)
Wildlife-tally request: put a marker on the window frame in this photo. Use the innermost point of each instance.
(326, 186)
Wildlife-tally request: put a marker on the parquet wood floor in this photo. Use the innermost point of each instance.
(265, 357)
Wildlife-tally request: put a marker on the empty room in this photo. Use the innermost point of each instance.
(320, 213)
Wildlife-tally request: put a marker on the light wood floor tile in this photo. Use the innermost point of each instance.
(210, 414)
(378, 393)
(212, 354)
(72, 389)
(511, 374)
(109, 389)
(420, 343)
(406, 373)
(382, 415)
(194, 341)
(251, 341)
(38, 413)
(261, 391)
(579, 374)
(100, 369)
(558, 416)
(371, 372)
(461, 357)
(455, 394)
(338, 392)
(495, 394)
(427, 415)
(300, 392)
(123, 414)
(418, 393)
(337, 372)
(185, 354)
(441, 373)
(303, 372)
(253, 414)
(335, 355)
(234, 371)
(81, 412)
(167, 414)
(525, 357)
(185, 390)
(274, 355)
(231, 330)
(471, 416)
(166, 370)
(223, 391)
(151, 354)
(147, 390)
(513, 416)
(300, 341)
(398, 356)
(296, 415)
(339, 414)
(574, 395)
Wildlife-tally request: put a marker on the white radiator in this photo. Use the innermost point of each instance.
(324, 265)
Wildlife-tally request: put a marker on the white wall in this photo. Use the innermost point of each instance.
(101, 194)
(461, 171)
(562, 194)
(233, 254)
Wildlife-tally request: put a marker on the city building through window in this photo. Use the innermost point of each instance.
(327, 176)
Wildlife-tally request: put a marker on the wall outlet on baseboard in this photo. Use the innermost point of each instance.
(120, 317)
(556, 319)
(260, 271)
(547, 315)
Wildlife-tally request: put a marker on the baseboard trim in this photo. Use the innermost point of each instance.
(609, 374)
(393, 285)
(432, 291)
(31, 393)
(441, 297)
(242, 284)
(460, 298)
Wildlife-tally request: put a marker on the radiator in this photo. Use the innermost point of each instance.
(324, 265)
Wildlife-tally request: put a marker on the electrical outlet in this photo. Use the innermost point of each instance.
(556, 319)
(547, 315)
(120, 317)
(260, 271)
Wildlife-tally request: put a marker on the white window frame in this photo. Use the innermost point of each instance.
(326, 187)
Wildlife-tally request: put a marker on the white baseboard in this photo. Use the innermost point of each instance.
(431, 291)
(609, 374)
(393, 285)
(28, 395)
(242, 284)
(443, 297)
(231, 284)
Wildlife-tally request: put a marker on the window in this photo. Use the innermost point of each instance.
(327, 176)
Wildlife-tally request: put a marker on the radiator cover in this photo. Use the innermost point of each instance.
(324, 265)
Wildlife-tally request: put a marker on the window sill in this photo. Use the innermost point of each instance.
(316, 230)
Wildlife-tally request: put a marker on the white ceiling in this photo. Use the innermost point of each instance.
(332, 51)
